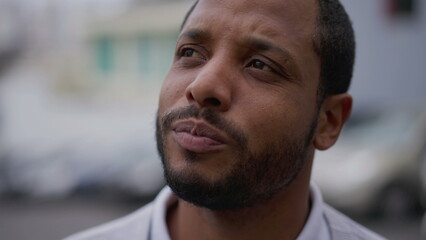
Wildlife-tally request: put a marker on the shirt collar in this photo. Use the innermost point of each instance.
(315, 227)
(162, 202)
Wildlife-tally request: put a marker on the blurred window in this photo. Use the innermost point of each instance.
(155, 55)
(169, 50)
(401, 8)
(144, 45)
(105, 54)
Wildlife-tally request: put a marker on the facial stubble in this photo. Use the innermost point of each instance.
(251, 179)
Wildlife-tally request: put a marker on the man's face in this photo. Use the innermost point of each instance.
(238, 108)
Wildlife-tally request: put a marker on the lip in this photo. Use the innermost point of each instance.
(197, 136)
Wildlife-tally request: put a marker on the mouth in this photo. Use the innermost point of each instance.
(197, 136)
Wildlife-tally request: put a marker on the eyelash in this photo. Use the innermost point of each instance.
(181, 54)
(183, 51)
(263, 64)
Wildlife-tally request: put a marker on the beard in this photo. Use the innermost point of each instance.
(254, 177)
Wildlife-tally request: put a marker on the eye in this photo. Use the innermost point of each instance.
(189, 52)
(260, 65)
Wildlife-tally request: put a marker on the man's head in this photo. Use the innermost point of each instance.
(239, 114)
(334, 42)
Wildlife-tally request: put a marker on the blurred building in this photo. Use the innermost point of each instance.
(79, 106)
(117, 48)
(128, 55)
(11, 37)
(390, 65)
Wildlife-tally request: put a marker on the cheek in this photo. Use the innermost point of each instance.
(172, 91)
(268, 127)
(274, 119)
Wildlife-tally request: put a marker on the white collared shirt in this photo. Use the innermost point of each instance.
(315, 227)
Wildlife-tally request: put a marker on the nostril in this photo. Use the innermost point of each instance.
(213, 101)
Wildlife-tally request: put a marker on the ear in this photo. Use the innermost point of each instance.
(333, 114)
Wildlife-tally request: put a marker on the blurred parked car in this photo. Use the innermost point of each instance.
(52, 148)
(374, 168)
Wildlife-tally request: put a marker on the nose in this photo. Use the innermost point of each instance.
(212, 86)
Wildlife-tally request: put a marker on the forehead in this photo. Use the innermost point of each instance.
(279, 16)
(288, 24)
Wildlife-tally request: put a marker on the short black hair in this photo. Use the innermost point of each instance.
(334, 42)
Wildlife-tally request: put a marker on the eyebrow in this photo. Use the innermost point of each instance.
(253, 42)
(195, 34)
(264, 45)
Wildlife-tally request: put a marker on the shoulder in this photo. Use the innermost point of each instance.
(132, 226)
(342, 227)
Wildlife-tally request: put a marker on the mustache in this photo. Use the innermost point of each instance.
(211, 116)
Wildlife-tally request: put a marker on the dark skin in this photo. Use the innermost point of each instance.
(256, 66)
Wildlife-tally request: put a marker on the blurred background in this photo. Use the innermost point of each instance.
(79, 81)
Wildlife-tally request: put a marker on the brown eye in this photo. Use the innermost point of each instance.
(189, 57)
(260, 65)
(189, 52)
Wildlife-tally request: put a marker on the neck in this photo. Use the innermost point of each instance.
(281, 217)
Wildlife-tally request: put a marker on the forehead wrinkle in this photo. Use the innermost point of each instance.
(195, 34)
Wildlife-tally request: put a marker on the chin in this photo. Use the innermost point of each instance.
(202, 191)
(208, 168)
